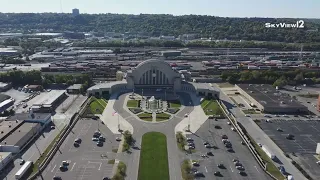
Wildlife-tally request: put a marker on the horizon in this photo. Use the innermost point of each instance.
(228, 8)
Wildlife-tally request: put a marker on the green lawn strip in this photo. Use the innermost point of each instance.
(271, 168)
(96, 104)
(145, 116)
(111, 161)
(162, 117)
(213, 106)
(45, 153)
(181, 141)
(133, 103)
(121, 172)
(154, 157)
(185, 170)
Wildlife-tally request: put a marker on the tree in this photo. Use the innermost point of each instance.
(299, 78)
(281, 82)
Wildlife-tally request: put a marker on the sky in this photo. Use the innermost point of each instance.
(223, 8)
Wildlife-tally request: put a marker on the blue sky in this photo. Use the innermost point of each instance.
(225, 8)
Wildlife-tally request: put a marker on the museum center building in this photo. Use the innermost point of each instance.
(152, 74)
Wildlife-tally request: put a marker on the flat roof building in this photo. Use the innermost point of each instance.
(6, 158)
(269, 99)
(49, 102)
(16, 140)
(74, 89)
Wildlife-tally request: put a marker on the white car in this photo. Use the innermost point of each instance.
(229, 123)
(233, 129)
(318, 162)
(260, 145)
(186, 115)
(247, 115)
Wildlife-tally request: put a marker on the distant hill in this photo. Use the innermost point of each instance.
(162, 24)
(315, 21)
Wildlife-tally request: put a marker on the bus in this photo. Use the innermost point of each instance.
(22, 171)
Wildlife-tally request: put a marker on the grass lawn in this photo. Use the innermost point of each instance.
(145, 116)
(154, 157)
(133, 103)
(162, 117)
(271, 168)
(309, 95)
(174, 104)
(249, 111)
(97, 105)
(211, 107)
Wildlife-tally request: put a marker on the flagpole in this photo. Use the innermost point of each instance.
(118, 123)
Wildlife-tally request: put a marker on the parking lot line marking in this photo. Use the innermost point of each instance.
(312, 140)
(73, 166)
(256, 168)
(315, 128)
(297, 128)
(231, 169)
(206, 169)
(53, 168)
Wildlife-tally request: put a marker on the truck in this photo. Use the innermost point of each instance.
(22, 171)
(268, 152)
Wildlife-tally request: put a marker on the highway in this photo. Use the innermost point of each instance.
(259, 136)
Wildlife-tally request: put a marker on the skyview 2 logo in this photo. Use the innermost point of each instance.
(299, 24)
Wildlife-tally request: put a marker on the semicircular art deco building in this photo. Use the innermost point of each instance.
(152, 74)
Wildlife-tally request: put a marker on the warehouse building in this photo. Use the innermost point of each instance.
(5, 159)
(15, 135)
(74, 89)
(270, 100)
(49, 102)
(4, 105)
(5, 86)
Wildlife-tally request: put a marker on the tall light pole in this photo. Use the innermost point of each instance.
(98, 111)
(118, 123)
(189, 118)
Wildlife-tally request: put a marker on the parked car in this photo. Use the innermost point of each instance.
(78, 140)
(224, 137)
(220, 166)
(217, 173)
(65, 163)
(57, 178)
(22, 162)
(118, 139)
(95, 139)
(217, 127)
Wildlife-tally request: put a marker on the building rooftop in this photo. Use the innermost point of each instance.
(50, 97)
(15, 136)
(203, 86)
(27, 116)
(4, 155)
(7, 126)
(75, 86)
(268, 96)
(107, 85)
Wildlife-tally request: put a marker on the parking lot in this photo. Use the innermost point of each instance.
(88, 161)
(306, 136)
(208, 165)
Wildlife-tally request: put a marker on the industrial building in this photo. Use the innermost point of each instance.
(269, 99)
(5, 86)
(74, 89)
(8, 52)
(75, 12)
(41, 118)
(5, 158)
(170, 53)
(49, 102)
(4, 105)
(15, 135)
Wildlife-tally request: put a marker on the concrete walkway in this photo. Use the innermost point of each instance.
(111, 120)
(197, 118)
(154, 117)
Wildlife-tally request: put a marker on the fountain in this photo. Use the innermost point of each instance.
(153, 104)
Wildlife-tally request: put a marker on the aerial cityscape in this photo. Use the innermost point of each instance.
(158, 97)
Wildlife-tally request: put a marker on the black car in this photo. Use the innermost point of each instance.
(209, 153)
(220, 166)
(217, 173)
(57, 178)
(228, 145)
(290, 136)
(217, 127)
(242, 173)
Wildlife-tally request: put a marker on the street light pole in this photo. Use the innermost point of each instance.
(189, 118)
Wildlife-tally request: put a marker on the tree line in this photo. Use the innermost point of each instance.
(21, 78)
(276, 78)
(202, 44)
(162, 24)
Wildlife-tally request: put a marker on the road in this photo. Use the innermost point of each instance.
(167, 128)
(259, 136)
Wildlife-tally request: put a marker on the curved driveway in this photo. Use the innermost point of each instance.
(141, 127)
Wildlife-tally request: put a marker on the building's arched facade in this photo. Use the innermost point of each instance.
(153, 74)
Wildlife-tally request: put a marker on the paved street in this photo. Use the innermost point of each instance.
(87, 162)
(208, 133)
(259, 136)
